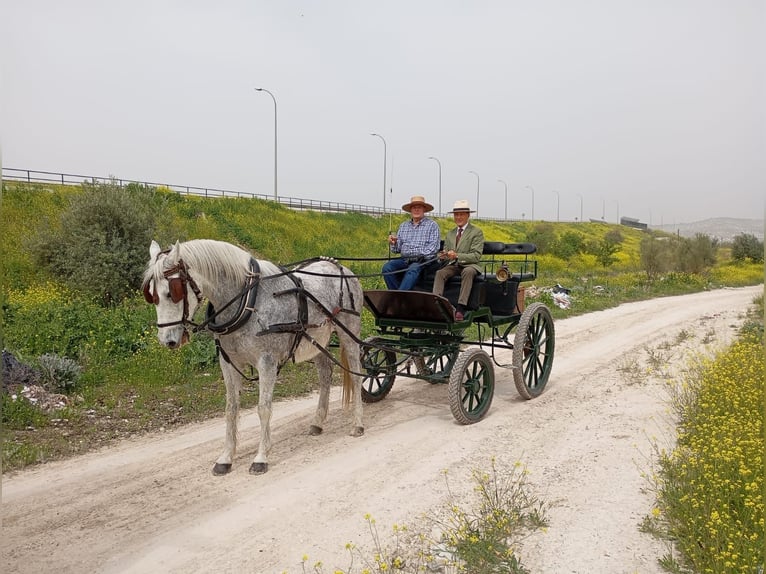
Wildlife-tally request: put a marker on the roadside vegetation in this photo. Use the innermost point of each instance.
(82, 367)
(475, 533)
(709, 486)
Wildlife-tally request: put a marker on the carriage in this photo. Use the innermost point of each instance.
(417, 335)
(264, 315)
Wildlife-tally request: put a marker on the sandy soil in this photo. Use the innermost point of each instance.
(153, 505)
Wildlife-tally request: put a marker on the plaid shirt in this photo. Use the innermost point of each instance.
(421, 240)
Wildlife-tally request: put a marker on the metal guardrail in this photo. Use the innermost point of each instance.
(33, 176)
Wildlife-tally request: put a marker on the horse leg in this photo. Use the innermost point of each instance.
(350, 355)
(233, 381)
(267, 376)
(324, 371)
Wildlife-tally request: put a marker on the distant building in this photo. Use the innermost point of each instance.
(632, 222)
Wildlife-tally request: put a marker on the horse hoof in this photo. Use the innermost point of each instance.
(315, 430)
(259, 467)
(221, 469)
(357, 431)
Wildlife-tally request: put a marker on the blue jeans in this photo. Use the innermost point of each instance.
(404, 280)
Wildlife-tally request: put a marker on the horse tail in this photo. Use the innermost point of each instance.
(348, 380)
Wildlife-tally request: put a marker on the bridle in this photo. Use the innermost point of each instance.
(179, 290)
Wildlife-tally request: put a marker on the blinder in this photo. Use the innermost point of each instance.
(176, 285)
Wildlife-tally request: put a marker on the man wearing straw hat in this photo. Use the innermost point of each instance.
(462, 252)
(417, 240)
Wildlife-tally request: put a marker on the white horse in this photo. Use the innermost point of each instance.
(261, 316)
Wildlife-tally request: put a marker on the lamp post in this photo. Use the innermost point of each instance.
(477, 192)
(440, 181)
(275, 137)
(506, 198)
(558, 203)
(580, 196)
(384, 168)
(618, 210)
(532, 213)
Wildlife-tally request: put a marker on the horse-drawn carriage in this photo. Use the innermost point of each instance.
(417, 332)
(262, 315)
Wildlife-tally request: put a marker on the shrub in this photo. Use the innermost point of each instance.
(657, 255)
(99, 245)
(568, 245)
(697, 254)
(746, 246)
(58, 374)
(606, 249)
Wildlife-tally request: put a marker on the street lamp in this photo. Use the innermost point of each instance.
(275, 137)
(532, 214)
(506, 198)
(477, 192)
(384, 168)
(440, 181)
(580, 196)
(558, 203)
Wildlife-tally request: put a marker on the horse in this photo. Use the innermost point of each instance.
(261, 316)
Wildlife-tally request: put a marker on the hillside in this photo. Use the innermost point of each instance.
(723, 228)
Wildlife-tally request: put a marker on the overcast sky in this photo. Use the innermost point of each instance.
(652, 109)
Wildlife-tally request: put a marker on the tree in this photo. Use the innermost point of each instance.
(696, 254)
(657, 255)
(605, 250)
(747, 246)
(568, 245)
(100, 245)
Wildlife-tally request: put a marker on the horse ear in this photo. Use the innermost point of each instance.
(154, 250)
(175, 253)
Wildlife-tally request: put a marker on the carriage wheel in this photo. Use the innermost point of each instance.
(438, 365)
(380, 366)
(471, 386)
(533, 347)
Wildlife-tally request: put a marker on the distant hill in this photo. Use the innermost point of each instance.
(723, 228)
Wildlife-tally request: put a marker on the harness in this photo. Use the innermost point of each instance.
(246, 300)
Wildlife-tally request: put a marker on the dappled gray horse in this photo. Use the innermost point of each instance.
(261, 316)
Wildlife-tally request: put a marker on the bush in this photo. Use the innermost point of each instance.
(49, 318)
(697, 254)
(746, 246)
(58, 374)
(657, 255)
(99, 245)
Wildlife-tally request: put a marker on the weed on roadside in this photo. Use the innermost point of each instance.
(477, 536)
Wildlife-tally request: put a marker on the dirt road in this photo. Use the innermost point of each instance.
(153, 505)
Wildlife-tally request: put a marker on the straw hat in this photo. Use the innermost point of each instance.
(417, 200)
(461, 206)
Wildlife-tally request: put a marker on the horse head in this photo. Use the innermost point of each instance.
(168, 285)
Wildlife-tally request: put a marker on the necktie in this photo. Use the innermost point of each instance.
(459, 235)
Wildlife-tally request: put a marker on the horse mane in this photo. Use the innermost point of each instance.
(216, 260)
